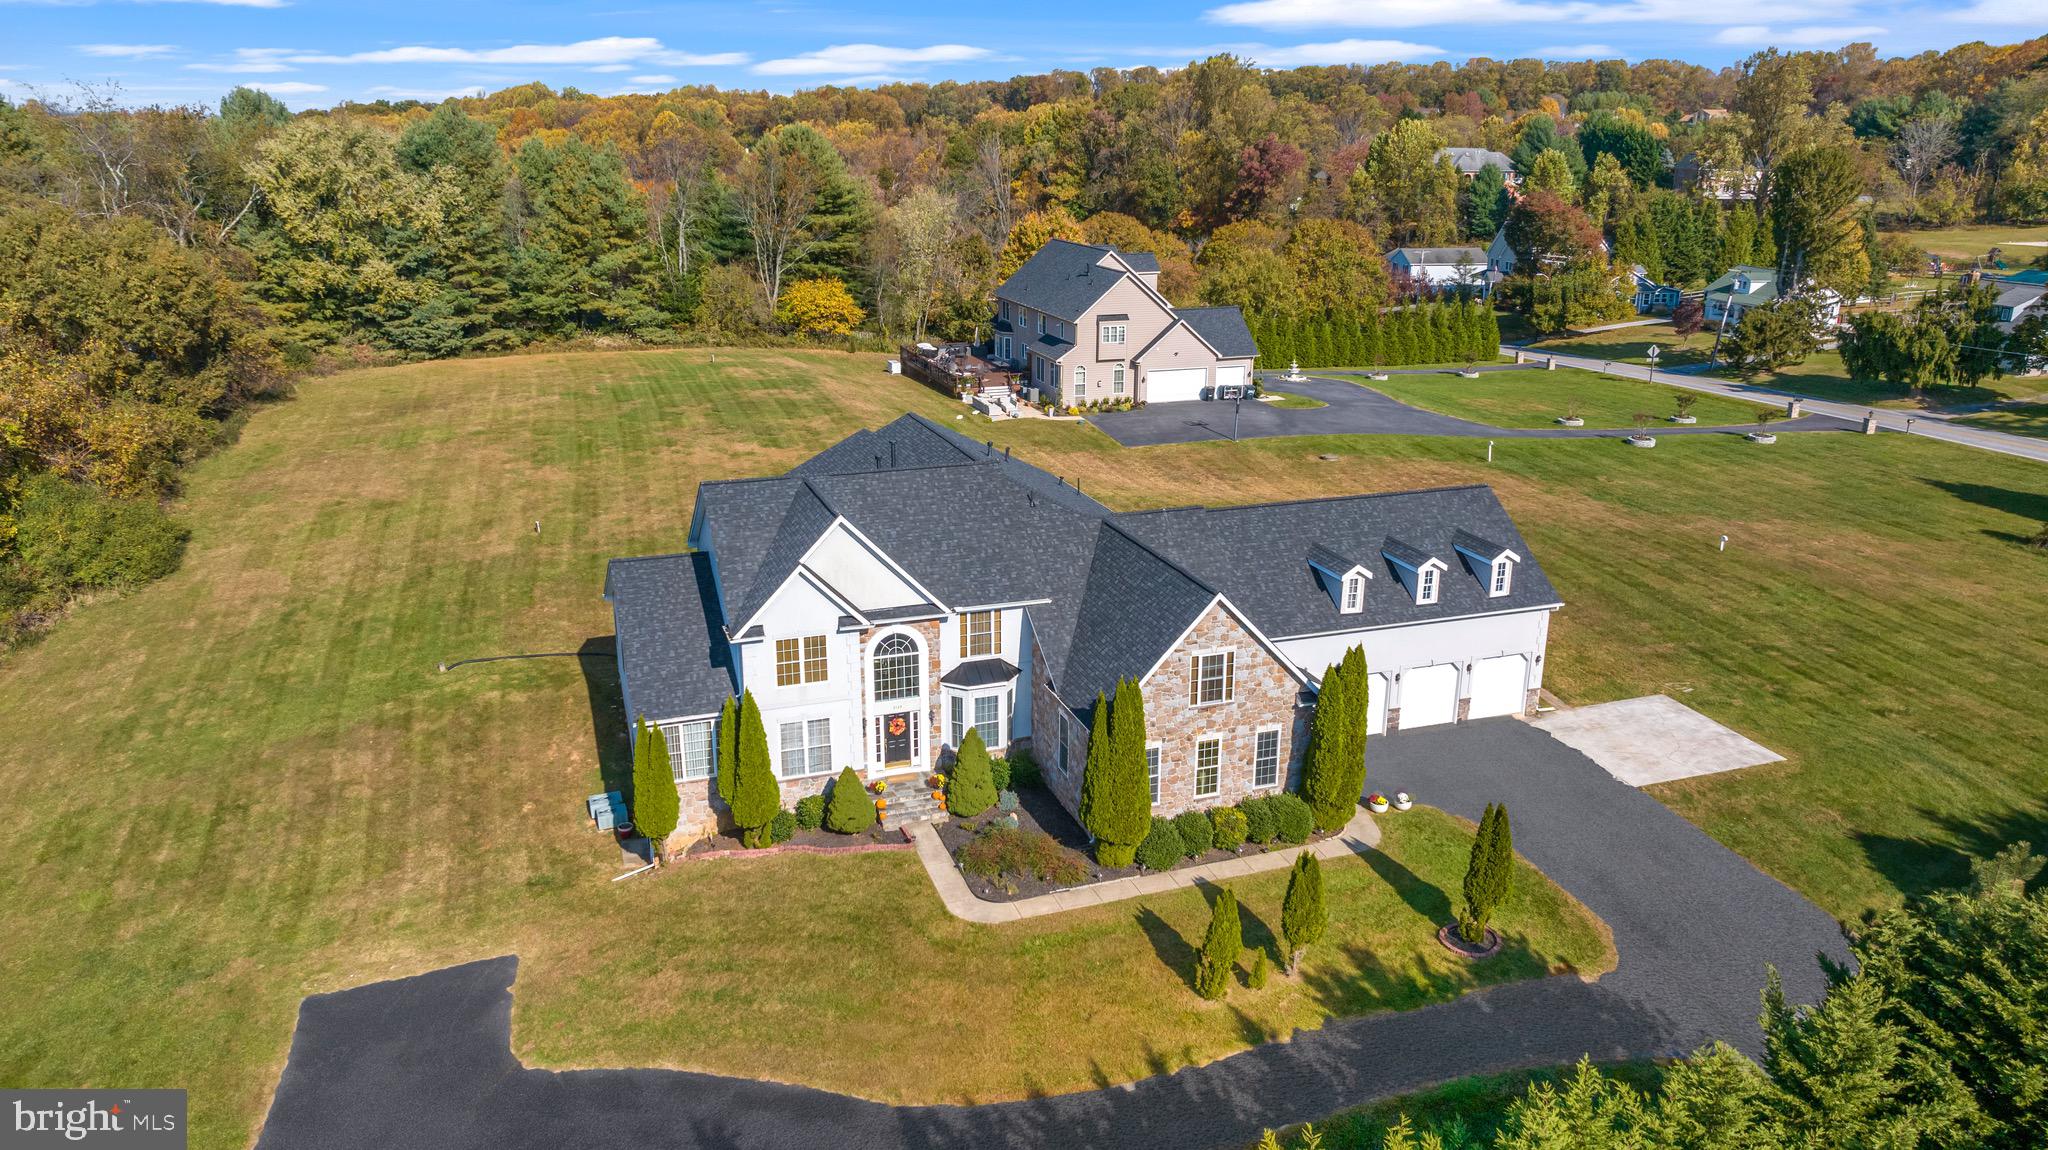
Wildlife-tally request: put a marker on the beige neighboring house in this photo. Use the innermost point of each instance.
(1086, 323)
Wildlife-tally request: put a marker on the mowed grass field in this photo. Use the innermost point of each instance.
(2020, 243)
(249, 782)
(1536, 398)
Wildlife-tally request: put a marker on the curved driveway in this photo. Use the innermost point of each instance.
(426, 1061)
(1356, 409)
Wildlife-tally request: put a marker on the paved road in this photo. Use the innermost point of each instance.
(426, 1061)
(1888, 419)
(1356, 410)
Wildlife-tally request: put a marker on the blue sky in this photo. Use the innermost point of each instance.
(318, 52)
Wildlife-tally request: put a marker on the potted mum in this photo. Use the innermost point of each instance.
(1401, 801)
(1376, 803)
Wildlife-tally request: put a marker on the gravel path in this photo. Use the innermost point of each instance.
(426, 1061)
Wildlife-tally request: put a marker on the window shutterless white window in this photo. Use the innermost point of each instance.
(959, 719)
(981, 634)
(1266, 759)
(1425, 585)
(1041, 323)
(1502, 576)
(800, 661)
(895, 672)
(806, 748)
(988, 719)
(1354, 594)
(689, 749)
(1080, 379)
(1152, 772)
(1208, 767)
(1116, 379)
(1113, 333)
(1212, 678)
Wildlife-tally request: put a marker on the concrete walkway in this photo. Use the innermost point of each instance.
(1913, 422)
(1360, 835)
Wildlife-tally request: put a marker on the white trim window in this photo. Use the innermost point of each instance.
(802, 660)
(1208, 767)
(690, 756)
(1152, 771)
(1266, 758)
(1212, 678)
(1503, 578)
(1354, 594)
(1114, 334)
(1116, 380)
(1425, 586)
(959, 726)
(981, 634)
(806, 748)
(988, 719)
(896, 674)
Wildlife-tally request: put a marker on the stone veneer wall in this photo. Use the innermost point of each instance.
(1266, 695)
(928, 633)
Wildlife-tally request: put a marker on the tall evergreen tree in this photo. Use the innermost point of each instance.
(656, 804)
(1220, 948)
(583, 262)
(1358, 719)
(1107, 782)
(1325, 772)
(756, 795)
(1488, 874)
(460, 158)
(1485, 203)
(1303, 915)
(728, 747)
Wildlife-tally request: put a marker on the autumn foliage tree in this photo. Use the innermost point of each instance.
(818, 307)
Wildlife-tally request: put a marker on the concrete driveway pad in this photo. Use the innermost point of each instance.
(1654, 739)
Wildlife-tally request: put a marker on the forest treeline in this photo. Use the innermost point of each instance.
(162, 267)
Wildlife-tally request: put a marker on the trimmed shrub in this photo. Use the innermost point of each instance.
(756, 795)
(1488, 875)
(1116, 802)
(1229, 825)
(999, 774)
(969, 790)
(782, 827)
(1161, 848)
(810, 812)
(1195, 833)
(1024, 770)
(849, 809)
(1292, 820)
(1260, 971)
(1303, 915)
(1006, 800)
(728, 733)
(1010, 851)
(74, 535)
(656, 804)
(1220, 948)
(1259, 823)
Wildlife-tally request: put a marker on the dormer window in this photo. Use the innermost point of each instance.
(1503, 577)
(1354, 594)
(1425, 585)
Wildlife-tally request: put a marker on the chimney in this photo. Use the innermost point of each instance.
(989, 448)
(1006, 452)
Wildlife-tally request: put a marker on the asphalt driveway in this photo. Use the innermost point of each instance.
(1356, 410)
(426, 1061)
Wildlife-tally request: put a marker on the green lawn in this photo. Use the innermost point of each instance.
(1822, 376)
(1972, 241)
(1631, 344)
(2019, 418)
(249, 782)
(1534, 397)
(1290, 402)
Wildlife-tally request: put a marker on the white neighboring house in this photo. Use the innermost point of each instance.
(1743, 287)
(2019, 298)
(1461, 268)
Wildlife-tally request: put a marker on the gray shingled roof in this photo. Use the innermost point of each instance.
(1470, 161)
(1451, 257)
(1254, 555)
(673, 656)
(980, 673)
(1224, 328)
(1064, 278)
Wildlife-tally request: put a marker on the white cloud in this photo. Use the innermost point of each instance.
(700, 59)
(284, 87)
(605, 50)
(129, 51)
(249, 61)
(654, 79)
(863, 61)
(1417, 13)
(423, 95)
(2026, 12)
(1337, 52)
(224, 3)
(1811, 36)
(1576, 52)
(612, 68)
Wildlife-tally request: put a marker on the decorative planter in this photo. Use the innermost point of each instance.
(1761, 437)
(1453, 942)
(1684, 418)
(1402, 802)
(1379, 375)
(1378, 808)
(1570, 421)
(1642, 441)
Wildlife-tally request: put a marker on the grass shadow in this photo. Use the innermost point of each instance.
(1422, 897)
(2025, 504)
(1172, 949)
(1925, 864)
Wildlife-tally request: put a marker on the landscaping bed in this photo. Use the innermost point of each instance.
(820, 839)
(1045, 850)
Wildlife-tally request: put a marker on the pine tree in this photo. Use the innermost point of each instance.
(1487, 874)
(728, 748)
(1374, 348)
(583, 262)
(1333, 770)
(972, 787)
(756, 795)
(1303, 915)
(1358, 715)
(1443, 342)
(849, 810)
(1220, 948)
(656, 803)
(1127, 799)
(473, 311)
(1102, 806)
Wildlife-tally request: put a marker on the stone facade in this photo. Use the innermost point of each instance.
(928, 633)
(1265, 695)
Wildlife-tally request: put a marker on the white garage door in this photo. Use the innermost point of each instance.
(1429, 696)
(1376, 704)
(1226, 375)
(1182, 383)
(1497, 686)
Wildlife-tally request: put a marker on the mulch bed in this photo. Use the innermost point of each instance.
(819, 841)
(1037, 809)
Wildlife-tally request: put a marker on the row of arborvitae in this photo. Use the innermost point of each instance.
(1303, 919)
(745, 778)
(1460, 332)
